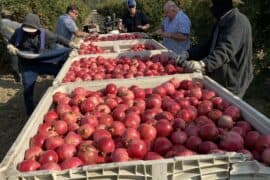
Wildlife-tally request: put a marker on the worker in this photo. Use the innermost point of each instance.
(66, 25)
(134, 20)
(32, 38)
(175, 28)
(227, 56)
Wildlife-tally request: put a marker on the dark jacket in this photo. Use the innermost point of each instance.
(131, 23)
(228, 60)
(32, 44)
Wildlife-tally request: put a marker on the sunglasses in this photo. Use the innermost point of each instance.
(132, 6)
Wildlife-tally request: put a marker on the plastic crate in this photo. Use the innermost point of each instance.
(117, 37)
(199, 167)
(60, 76)
(125, 45)
(252, 170)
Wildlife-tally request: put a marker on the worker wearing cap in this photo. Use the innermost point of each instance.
(66, 25)
(7, 29)
(31, 37)
(134, 20)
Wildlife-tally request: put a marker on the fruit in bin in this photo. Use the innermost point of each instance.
(37, 140)
(192, 129)
(132, 120)
(46, 130)
(73, 138)
(66, 151)
(233, 111)
(88, 154)
(51, 116)
(51, 166)
(251, 139)
(179, 124)
(130, 123)
(193, 143)
(262, 143)
(85, 131)
(117, 128)
(147, 132)
(90, 49)
(72, 162)
(206, 147)
(130, 135)
(137, 149)
(52, 143)
(117, 37)
(28, 165)
(123, 67)
(106, 145)
(32, 153)
(225, 121)
(209, 132)
(152, 156)
(101, 133)
(162, 145)
(60, 127)
(244, 125)
(266, 156)
(231, 141)
(164, 128)
(215, 114)
(48, 156)
(120, 155)
(178, 137)
(142, 47)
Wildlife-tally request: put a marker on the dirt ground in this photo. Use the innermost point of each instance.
(12, 114)
(13, 117)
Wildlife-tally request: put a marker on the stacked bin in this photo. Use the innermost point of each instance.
(212, 166)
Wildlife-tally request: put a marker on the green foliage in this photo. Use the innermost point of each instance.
(48, 11)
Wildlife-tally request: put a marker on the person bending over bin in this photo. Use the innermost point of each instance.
(38, 54)
(227, 56)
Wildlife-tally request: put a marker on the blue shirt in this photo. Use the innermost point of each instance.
(180, 24)
(66, 26)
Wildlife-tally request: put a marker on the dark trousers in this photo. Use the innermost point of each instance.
(30, 73)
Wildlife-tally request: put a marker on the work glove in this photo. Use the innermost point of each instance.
(12, 49)
(74, 45)
(194, 66)
(180, 58)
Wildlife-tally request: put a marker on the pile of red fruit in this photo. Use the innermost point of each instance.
(97, 68)
(90, 49)
(142, 47)
(115, 37)
(118, 124)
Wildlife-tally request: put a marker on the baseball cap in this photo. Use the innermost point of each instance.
(131, 3)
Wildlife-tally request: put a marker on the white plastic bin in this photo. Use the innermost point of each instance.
(60, 76)
(199, 167)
